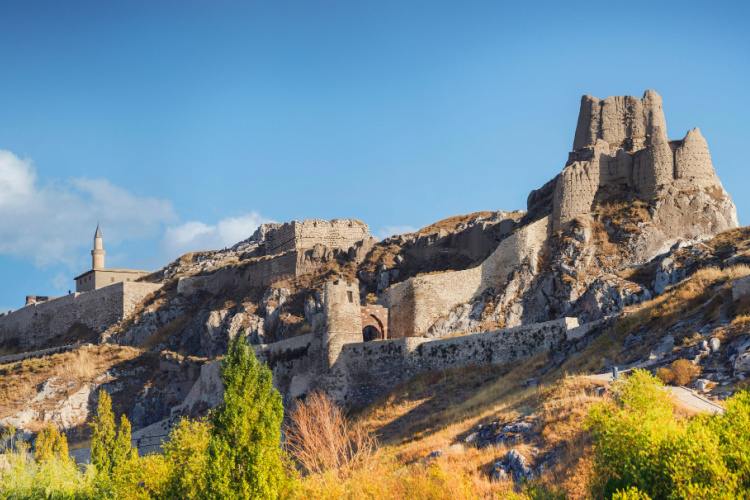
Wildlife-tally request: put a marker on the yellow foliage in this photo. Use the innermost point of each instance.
(51, 444)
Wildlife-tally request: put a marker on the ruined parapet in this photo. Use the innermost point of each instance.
(618, 118)
(621, 149)
(578, 184)
(339, 234)
(36, 299)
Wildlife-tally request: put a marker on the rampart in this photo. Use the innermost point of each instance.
(417, 303)
(334, 234)
(364, 371)
(621, 147)
(97, 310)
(297, 248)
(255, 273)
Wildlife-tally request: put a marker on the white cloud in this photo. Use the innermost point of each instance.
(193, 236)
(50, 223)
(387, 231)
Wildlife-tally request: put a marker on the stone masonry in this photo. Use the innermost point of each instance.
(290, 249)
(98, 310)
(337, 233)
(417, 303)
(360, 372)
(376, 317)
(621, 147)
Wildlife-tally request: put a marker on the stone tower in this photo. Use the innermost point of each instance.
(97, 254)
(343, 316)
(621, 150)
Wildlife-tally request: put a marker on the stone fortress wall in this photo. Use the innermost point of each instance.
(98, 310)
(416, 304)
(357, 372)
(256, 273)
(292, 249)
(621, 146)
(337, 233)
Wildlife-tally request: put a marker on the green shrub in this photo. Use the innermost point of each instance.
(631, 493)
(642, 449)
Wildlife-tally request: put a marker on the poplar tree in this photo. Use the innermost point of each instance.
(244, 450)
(109, 448)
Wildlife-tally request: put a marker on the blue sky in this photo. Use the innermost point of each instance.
(183, 125)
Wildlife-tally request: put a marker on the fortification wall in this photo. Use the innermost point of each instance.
(335, 234)
(521, 248)
(372, 369)
(256, 273)
(618, 118)
(98, 310)
(435, 295)
(417, 303)
(640, 159)
(297, 364)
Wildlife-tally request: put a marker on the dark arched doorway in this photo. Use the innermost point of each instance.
(370, 333)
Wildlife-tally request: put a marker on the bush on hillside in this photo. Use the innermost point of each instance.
(50, 444)
(681, 372)
(641, 445)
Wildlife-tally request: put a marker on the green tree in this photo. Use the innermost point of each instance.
(244, 450)
(185, 454)
(109, 448)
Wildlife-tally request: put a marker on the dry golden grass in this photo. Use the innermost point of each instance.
(451, 223)
(18, 381)
(642, 275)
(737, 239)
(414, 424)
(706, 293)
(322, 440)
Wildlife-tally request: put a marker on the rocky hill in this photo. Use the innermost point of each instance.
(635, 240)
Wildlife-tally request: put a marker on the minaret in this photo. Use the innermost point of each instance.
(97, 254)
